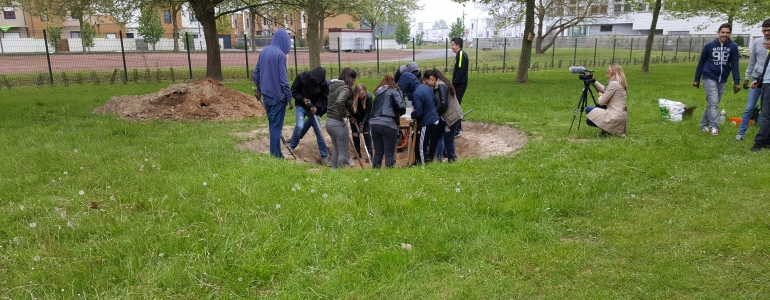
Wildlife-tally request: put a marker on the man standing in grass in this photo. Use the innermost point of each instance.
(757, 57)
(311, 96)
(459, 75)
(273, 86)
(762, 140)
(723, 57)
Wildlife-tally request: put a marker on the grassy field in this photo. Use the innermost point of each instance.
(95, 207)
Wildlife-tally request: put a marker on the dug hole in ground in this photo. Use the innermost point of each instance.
(208, 99)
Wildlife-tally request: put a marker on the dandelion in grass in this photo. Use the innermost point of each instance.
(312, 191)
(457, 190)
(76, 150)
(523, 180)
(141, 168)
(146, 159)
(296, 185)
(108, 187)
(81, 168)
(215, 175)
(53, 180)
(458, 183)
(161, 254)
(36, 258)
(240, 278)
(205, 184)
(65, 173)
(366, 179)
(16, 239)
(293, 189)
(33, 224)
(81, 192)
(150, 200)
(277, 206)
(547, 209)
(69, 224)
(325, 195)
(112, 197)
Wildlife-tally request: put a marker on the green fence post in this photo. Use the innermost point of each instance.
(446, 54)
(676, 50)
(123, 53)
(505, 43)
(339, 60)
(189, 62)
(574, 57)
(614, 44)
(246, 52)
(631, 54)
(377, 45)
(689, 50)
(296, 69)
(596, 43)
(662, 46)
(553, 53)
(48, 56)
(477, 55)
(413, 47)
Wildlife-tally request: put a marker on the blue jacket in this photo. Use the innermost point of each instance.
(270, 73)
(423, 99)
(717, 60)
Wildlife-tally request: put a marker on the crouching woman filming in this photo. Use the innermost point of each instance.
(611, 114)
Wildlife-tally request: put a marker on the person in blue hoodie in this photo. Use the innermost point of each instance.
(424, 103)
(273, 86)
(717, 59)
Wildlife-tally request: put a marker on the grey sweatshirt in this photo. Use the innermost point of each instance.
(757, 58)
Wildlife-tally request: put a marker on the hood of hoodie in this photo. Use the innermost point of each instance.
(335, 84)
(318, 73)
(408, 83)
(282, 40)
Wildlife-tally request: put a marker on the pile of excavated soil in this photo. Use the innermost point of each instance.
(480, 140)
(204, 99)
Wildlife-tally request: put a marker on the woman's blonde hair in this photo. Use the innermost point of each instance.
(618, 74)
(357, 96)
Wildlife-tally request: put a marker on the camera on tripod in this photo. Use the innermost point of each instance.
(586, 76)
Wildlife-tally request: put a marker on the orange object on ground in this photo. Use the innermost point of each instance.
(736, 121)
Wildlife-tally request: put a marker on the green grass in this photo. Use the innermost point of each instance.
(668, 212)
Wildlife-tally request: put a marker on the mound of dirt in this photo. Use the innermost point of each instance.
(480, 140)
(204, 99)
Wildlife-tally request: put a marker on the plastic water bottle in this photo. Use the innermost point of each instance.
(722, 116)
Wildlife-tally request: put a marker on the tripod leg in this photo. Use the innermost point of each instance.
(579, 109)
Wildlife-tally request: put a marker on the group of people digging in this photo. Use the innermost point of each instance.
(351, 108)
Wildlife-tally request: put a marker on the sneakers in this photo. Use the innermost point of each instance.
(757, 147)
(714, 131)
(739, 137)
(704, 129)
(350, 162)
(459, 133)
(326, 161)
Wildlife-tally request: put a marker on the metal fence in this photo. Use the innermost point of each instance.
(117, 59)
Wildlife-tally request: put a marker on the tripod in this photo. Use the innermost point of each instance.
(583, 102)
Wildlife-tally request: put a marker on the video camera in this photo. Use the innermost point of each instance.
(586, 75)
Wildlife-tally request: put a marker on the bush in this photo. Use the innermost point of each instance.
(739, 40)
(744, 51)
(240, 45)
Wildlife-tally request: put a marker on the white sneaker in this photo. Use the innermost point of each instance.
(714, 131)
(739, 137)
(350, 162)
(705, 129)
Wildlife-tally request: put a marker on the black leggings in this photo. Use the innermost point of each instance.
(357, 138)
(384, 139)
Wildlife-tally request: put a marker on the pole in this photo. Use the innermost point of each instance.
(614, 43)
(574, 57)
(413, 58)
(189, 62)
(446, 53)
(339, 49)
(377, 43)
(123, 54)
(596, 43)
(631, 54)
(1, 46)
(662, 45)
(296, 69)
(477, 55)
(689, 50)
(246, 52)
(48, 57)
(553, 53)
(505, 43)
(676, 50)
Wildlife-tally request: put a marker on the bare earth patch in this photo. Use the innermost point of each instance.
(204, 99)
(480, 140)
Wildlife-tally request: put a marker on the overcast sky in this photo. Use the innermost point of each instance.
(434, 10)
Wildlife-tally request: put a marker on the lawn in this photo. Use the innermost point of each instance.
(95, 207)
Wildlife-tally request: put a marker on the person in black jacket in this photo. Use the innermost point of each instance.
(388, 107)
(311, 95)
(362, 106)
(460, 74)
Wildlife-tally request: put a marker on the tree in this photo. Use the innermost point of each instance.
(80, 10)
(440, 24)
(54, 35)
(402, 33)
(418, 38)
(526, 46)
(150, 27)
(650, 37)
(224, 27)
(373, 13)
(350, 25)
(457, 29)
(87, 35)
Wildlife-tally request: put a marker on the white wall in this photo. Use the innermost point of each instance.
(24, 45)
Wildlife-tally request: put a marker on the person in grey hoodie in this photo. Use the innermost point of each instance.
(757, 57)
(723, 57)
(388, 107)
(340, 102)
(273, 86)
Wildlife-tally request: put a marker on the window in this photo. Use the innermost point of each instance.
(75, 34)
(9, 13)
(112, 36)
(167, 17)
(193, 18)
(43, 19)
(129, 35)
(264, 21)
(605, 28)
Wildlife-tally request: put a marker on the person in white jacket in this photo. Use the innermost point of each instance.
(757, 57)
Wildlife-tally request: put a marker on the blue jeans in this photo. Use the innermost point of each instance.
(751, 103)
(302, 127)
(588, 110)
(276, 112)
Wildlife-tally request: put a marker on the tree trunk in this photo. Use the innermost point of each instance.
(650, 38)
(174, 10)
(252, 30)
(312, 34)
(213, 59)
(82, 40)
(526, 45)
(321, 19)
(539, 39)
